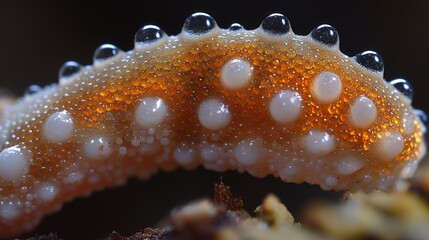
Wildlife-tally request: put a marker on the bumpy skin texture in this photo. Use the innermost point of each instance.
(93, 130)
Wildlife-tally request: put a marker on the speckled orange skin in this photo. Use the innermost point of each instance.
(102, 100)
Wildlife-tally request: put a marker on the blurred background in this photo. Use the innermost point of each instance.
(37, 37)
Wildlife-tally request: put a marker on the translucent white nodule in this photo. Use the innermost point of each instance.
(363, 112)
(13, 163)
(213, 114)
(236, 73)
(58, 127)
(327, 87)
(285, 106)
(151, 112)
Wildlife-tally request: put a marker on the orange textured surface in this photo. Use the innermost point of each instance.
(102, 100)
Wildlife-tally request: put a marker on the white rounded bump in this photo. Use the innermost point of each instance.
(409, 169)
(363, 112)
(327, 87)
(408, 123)
(184, 154)
(330, 181)
(58, 127)
(389, 145)
(47, 191)
(285, 106)
(289, 172)
(9, 210)
(249, 152)
(318, 143)
(349, 165)
(151, 112)
(97, 147)
(236, 73)
(211, 152)
(422, 151)
(13, 163)
(213, 114)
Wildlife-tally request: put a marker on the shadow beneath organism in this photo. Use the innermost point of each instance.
(139, 204)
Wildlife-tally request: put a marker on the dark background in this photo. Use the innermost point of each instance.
(38, 36)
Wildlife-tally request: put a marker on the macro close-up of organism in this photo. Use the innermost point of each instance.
(264, 101)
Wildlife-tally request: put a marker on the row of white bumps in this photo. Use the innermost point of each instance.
(213, 114)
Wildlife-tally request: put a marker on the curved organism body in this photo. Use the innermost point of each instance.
(264, 101)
